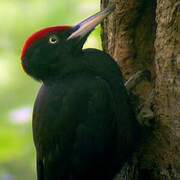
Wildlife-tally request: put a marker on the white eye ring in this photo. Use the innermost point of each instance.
(53, 39)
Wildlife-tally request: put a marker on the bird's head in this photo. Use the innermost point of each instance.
(48, 50)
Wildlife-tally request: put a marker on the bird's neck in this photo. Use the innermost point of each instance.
(70, 66)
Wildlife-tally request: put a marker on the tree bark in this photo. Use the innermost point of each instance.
(144, 35)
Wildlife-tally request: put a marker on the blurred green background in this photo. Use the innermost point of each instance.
(18, 20)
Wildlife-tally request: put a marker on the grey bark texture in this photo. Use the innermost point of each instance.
(145, 36)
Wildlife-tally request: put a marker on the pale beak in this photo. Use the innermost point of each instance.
(86, 26)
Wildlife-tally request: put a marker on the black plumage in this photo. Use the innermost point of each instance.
(83, 125)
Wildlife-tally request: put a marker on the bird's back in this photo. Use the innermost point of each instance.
(128, 127)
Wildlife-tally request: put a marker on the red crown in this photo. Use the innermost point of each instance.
(39, 35)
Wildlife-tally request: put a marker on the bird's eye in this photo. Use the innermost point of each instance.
(53, 39)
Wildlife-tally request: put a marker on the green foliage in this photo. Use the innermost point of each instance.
(19, 19)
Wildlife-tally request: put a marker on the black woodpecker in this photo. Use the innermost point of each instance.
(83, 124)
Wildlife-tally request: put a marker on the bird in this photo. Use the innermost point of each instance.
(84, 127)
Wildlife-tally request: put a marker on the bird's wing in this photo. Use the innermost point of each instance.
(82, 130)
(96, 134)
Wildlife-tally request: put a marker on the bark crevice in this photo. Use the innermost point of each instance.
(144, 35)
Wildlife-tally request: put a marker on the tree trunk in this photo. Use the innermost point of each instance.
(144, 35)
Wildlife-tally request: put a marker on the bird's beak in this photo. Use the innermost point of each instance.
(86, 26)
